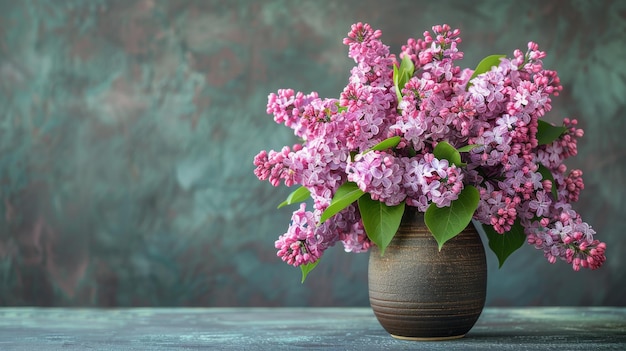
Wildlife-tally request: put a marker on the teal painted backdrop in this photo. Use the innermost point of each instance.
(128, 129)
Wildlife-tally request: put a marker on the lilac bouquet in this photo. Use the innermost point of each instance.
(457, 144)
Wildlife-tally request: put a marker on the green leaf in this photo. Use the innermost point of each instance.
(298, 195)
(505, 244)
(307, 268)
(396, 75)
(381, 222)
(485, 66)
(467, 148)
(406, 71)
(447, 222)
(547, 133)
(402, 75)
(345, 195)
(353, 154)
(341, 109)
(546, 174)
(445, 151)
(386, 144)
(396, 78)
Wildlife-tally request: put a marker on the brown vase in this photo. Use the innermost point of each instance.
(420, 293)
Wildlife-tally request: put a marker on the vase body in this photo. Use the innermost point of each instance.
(418, 292)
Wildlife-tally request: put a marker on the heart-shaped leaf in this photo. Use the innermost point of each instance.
(503, 245)
(307, 268)
(447, 222)
(547, 133)
(345, 195)
(298, 195)
(381, 222)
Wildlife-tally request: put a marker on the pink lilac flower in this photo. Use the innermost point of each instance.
(379, 174)
(274, 166)
(573, 184)
(463, 116)
(351, 232)
(489, 93)
(304, 242)
(441, 182)
(497, 209)
(424, 51)
(298, 245)
(287, 107)
(356, 240)
(370, 54)
(570, 239)
(540, 205)
(414, 170)
(410, 124)
(430, 180)
(368, 120)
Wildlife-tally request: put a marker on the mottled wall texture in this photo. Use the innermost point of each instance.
(128, 129)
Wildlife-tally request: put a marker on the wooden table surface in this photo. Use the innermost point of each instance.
(559, 328)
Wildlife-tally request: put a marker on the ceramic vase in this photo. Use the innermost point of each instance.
(419, 292)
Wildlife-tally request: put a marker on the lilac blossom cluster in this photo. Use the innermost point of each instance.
(519, 179)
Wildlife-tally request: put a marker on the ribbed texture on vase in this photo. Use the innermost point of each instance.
(418, 291)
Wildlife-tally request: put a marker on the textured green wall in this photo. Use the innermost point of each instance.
(128, 128)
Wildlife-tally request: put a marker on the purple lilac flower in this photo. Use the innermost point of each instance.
(442, 182)
(566, 237)
(541, 203)
(379, 174)
(428, 179)
(370, 54)
(304, 241)
(497, 209)
(352, 233)
(287, 107)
